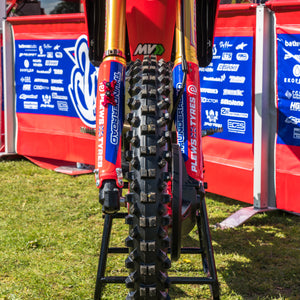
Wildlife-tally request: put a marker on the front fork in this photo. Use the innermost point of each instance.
(110, 109)
(188, 114)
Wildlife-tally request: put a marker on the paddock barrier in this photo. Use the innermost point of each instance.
(250, 91)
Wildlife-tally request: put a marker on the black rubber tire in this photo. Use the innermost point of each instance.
(148, 242)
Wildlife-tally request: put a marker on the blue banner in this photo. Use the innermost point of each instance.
(55, 77)
(226, 89)
(288, 81)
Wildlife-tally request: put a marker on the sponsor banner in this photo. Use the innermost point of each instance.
(55, 77)
(287, 14)
(55, 97)
(226, 89)
(288, 81)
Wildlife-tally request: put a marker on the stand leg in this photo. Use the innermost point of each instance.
(103, 256)
(203, 227)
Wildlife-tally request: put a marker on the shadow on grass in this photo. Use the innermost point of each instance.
(257, 260)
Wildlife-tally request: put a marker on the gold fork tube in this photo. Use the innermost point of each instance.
(189, 32)
(115, 28)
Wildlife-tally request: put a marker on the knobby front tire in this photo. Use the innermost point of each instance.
(148, 156)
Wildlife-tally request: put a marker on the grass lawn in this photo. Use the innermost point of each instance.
(50, 231)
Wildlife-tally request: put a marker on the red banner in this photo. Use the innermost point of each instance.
(55, 88)
(288, 104)
(227, 103)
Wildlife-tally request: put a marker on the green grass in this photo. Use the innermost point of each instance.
(50, 231)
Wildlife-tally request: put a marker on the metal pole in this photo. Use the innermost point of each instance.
(8, 87)
(261, 112)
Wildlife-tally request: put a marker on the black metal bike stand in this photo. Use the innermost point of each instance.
(205, 250)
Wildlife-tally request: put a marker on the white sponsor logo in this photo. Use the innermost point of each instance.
(296, 134)
(58, 71)
(296, 70)
(291, 80)
(236, 126)
(40, 87)
(237, 79)
(30, 104)
(26, 79)
(192, 89)
(24, 46)
(52, 63)
(41, 80)
(41, 52)
(26, 87)
(60, 97)
(83, 82)
(28, 54)
(225, 111)
(115, 122)
(242, 56)
(228, 67)
(24, 96)
(295, 106)
(226, 56)
(62, 105)
(288, 94)
(37, 64)
(26, 70)
(209, 91)
(233, 92)
(232, 102)
(57, 81)
(212, 115)
(241, 46)
(56, 88)
(49, 54)
(56, 47)
(49, 71)
(47, 101)
(180, 125)
(216, 79)
(26, 63)
(207, 69)
(214, 50)
(47, 46)
(225, 45)
(292, 95)
(289, 55)
(292, 120)
(58, 55)
(292, 44)
(208, 100)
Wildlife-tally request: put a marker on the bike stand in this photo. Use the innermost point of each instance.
(205, 250)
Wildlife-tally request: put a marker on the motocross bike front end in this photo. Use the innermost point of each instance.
(154, 45)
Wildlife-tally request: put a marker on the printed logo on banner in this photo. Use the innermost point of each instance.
(242, 56)
(241, 46)
(295, 106)
(226, 90)
(296, 134)
(236, 126)
(212, 115)
(83, 82)
(292, 120)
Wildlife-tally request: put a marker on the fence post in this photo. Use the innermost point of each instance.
(8, 88)
(263, 183)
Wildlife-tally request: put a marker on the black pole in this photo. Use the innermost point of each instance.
(103, 256)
